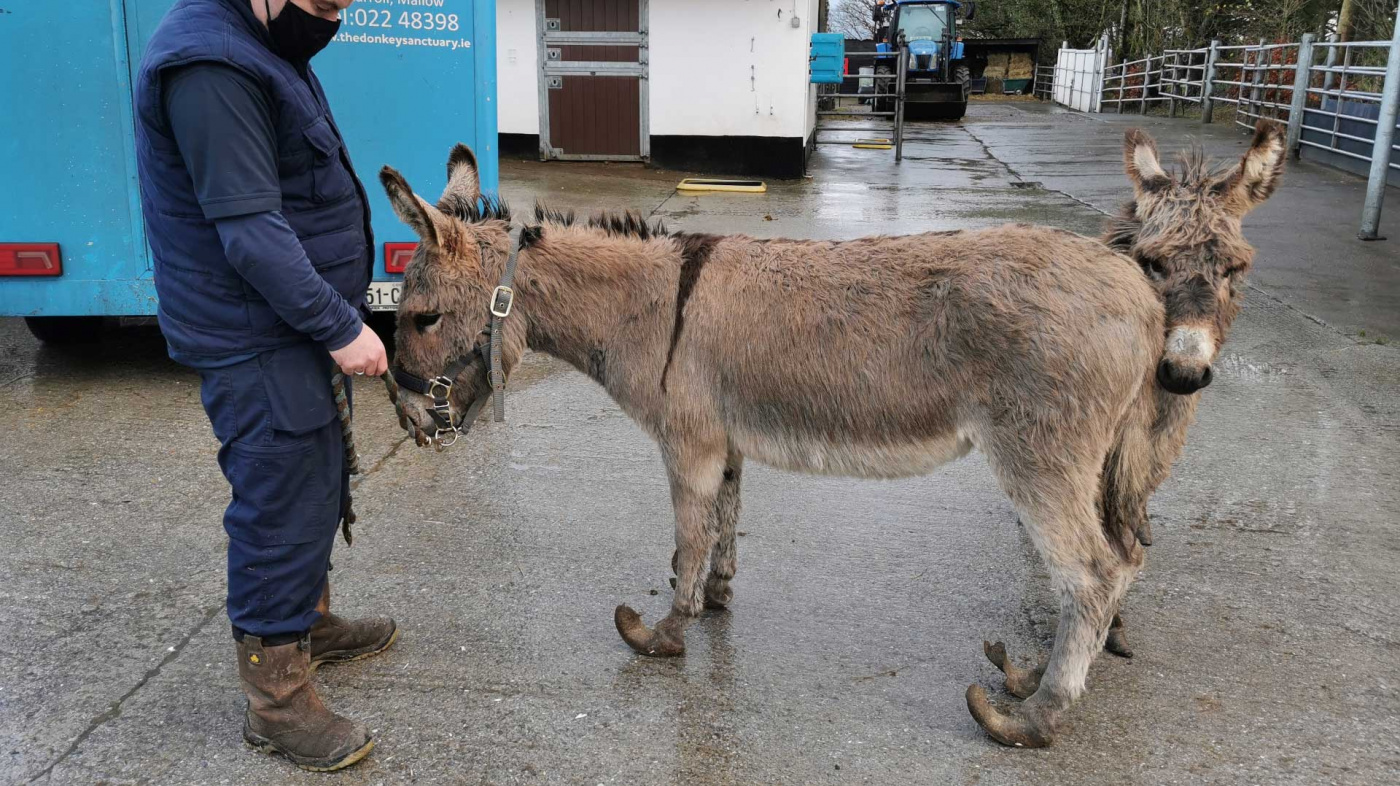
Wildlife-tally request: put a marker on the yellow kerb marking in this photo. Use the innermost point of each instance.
(739, 186)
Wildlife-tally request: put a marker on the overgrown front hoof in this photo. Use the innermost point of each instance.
(1014, 730)
(643, 639)
(1020, 682)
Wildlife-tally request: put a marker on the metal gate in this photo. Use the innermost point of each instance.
(1078, 80)
(593, 79)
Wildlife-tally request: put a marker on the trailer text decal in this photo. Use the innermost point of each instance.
(397, 27)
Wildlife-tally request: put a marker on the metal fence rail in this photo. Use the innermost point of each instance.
(883, 104)
(1044, 85)
(1183, 77)
(1267, 73)
(1346, 105)
(1350, 84)
(1133, 82)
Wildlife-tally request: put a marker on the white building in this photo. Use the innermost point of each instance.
(711, 85)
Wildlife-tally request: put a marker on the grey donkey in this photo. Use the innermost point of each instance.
(881, 357)
(1183, 229)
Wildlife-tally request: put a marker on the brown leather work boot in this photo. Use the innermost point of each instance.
(284, 714)
(338, 640)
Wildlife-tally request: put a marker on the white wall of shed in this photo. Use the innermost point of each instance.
(718, 68)
(517, 68)
(731, 67)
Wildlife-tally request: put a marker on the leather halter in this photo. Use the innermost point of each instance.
(439, 388)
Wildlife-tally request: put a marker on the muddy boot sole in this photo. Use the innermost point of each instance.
(348, 656)
(264, 745)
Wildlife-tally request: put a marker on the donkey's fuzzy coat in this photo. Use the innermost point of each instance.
(880, 357)
(1184, 230)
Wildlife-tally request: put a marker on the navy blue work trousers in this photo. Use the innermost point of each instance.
(281, 451)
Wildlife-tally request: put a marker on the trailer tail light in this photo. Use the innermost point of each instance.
(30, 259)
(397, 256)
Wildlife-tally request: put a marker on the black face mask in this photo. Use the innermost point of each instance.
(297, 35)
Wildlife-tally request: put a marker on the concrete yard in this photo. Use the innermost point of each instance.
(1266, 625)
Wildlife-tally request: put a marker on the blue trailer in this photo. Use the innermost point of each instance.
(407, 79)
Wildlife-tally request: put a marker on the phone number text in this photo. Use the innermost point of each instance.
(412, 20)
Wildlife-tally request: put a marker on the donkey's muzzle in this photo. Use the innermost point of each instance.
(1182, 381)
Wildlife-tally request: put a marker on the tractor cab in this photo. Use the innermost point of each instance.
(937, 82)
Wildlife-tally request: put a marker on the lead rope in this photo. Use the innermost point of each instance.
(352, 456)
(347, 433)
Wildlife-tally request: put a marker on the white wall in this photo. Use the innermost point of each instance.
(718, 67)
(517, 68)
(730, 67)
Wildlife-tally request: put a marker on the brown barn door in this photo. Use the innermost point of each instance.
(593, 79)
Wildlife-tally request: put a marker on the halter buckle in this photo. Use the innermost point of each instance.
(501, 301)
(440, 382)
(453, 433)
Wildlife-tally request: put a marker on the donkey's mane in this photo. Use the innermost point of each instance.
(491, 207)
(1193, 170)
(625, 224)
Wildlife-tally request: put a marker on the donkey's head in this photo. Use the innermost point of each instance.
(1183, 228)
(445, 310)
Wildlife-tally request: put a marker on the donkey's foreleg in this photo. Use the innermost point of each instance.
(696, 478)
(724, 559)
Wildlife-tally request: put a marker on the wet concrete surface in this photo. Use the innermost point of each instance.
(1266, 623)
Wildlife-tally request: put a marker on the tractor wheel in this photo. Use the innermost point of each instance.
(962, 75)
(884, 103)
(66, 330)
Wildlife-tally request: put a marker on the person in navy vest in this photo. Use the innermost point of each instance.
(260, 233)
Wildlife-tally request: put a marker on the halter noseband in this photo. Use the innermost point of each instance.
(439, 388)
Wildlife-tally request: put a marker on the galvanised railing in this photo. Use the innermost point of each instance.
(1338, 97)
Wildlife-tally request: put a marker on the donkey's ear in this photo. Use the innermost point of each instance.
(1259, 172)
(463, 181)
(1140, 161)
(409, 207)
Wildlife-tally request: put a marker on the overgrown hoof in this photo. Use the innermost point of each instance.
(1117, 643)
(1020, 682)
(1012, 729)
(643, 639)
(718, 600)
(1144, 532)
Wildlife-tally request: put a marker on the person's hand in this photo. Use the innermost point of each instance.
(364, 355)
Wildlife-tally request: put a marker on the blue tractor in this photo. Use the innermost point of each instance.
(937, 83)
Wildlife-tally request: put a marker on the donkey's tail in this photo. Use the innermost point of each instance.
(1130, 475)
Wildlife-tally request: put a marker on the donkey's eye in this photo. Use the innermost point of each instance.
(1153, 268)
(425, 321)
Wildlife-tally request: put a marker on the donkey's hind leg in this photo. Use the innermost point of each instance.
(1090, 577)
(696, 478)
(1117, 641)
(724, 559)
